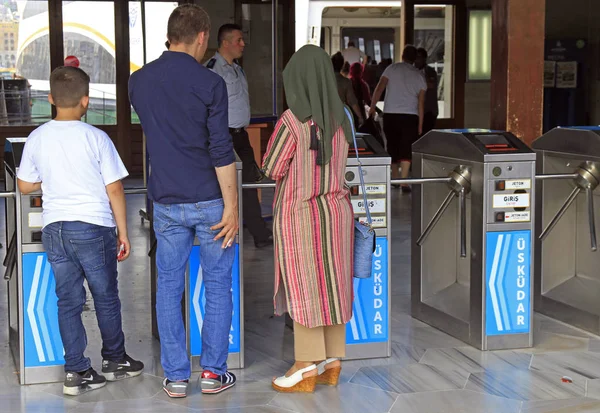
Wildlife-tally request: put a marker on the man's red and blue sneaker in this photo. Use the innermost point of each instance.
(212, 383)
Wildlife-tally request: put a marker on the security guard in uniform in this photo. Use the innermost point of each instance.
(224, 63)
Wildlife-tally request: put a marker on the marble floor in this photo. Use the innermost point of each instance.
(429, 371)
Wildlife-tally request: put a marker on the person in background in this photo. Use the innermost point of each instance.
(370, 73)
(346, 70)
(307, 156)
(224, 63)
(431, 96)
(360, 88)
(79, 172)
(193, 186)
(352, 54)
(344, 87)
(403, 113)
(384, 64)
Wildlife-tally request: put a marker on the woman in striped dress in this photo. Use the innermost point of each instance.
(313, 220)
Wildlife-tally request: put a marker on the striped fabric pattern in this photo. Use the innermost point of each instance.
(312, 226)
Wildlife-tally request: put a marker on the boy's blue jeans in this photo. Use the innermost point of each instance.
(78, 251)
(175, 226)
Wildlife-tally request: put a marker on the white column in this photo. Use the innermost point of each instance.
(302, 7)
(336, 39)
(448, 63)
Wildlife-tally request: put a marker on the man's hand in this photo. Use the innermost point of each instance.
(420, 130)
(371, 112)
(123, 248)
(229, 227)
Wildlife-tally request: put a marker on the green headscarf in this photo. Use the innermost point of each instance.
(311, 92)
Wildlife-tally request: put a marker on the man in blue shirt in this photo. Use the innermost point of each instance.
(224, 63)
(183, 110)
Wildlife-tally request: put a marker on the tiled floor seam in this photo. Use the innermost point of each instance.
(73, 399)
(278, 407)
(393, 404)
(174, 402)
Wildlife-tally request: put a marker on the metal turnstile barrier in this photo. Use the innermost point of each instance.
(368, 334)
(567, 280)
(34, 335)
(194, 301)
(471, 259)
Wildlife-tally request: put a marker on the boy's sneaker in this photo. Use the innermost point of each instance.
(175, 389)
(123, 369)
(211, 383)
(79, 383)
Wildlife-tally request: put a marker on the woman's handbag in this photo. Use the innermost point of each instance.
(364, 234)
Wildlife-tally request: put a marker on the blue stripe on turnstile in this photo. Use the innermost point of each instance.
(508, 278)
(472, 130)
(369, 323)
(595, 128)
(198, 301)
(42, 342)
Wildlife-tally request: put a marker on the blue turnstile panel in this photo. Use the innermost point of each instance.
(370, 319)
(198, 301)
(42, 342)
(508, 280)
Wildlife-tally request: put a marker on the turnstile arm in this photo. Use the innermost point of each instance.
(560, 212)
(544, 177)
(437, 217)
(587, 178)
(418, 181)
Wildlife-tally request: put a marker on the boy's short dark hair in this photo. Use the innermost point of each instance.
(421, 52)
(68, 85)
(225, 30)
(409, 54)
(186, 22)
(338, 62)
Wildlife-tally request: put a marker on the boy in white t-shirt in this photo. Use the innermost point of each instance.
(79, 172)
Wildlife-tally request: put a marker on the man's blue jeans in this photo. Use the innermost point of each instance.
(175, 226)
(78, 251)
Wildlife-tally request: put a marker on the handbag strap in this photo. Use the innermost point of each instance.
(360, 171)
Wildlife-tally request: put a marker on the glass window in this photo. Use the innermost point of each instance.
(257, 25)
(480, 45)
(89, 35)
(27, 103)
(377, 50)
(434, 31)
(156, 18)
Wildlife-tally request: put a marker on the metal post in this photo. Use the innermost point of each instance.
(462, 209)
(591, 217)
(274, 26)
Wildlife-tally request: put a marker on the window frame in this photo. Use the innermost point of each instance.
(124, 132)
